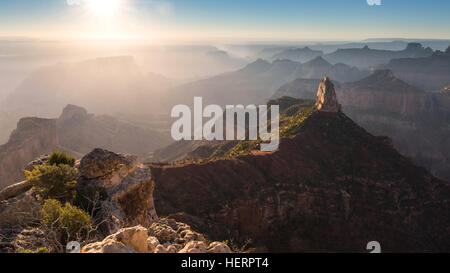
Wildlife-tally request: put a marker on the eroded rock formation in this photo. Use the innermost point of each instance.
(128, 186)
(326, 97)
(33, 137)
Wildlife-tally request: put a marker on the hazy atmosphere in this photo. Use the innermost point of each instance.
(363, 93)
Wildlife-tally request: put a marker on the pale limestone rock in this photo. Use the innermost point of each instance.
(218, 247)
(160, 249)
(126, 240)
(171, 249)
(152, 243)
(134, 237)
(326, 97)
(194, 247)
(109, 245)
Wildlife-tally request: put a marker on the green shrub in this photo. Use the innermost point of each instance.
(53, 181)
(51, 212)
(39, 250)
(68, 222)
(59, 158)
(74, 220)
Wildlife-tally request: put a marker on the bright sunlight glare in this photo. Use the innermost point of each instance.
(103, 8)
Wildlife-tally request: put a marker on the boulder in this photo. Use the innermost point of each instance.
(169, 231)
(164, 233)
(134, 237)
(14, 190)
(109, 245)
(194, 247)
(126, 187)
(218, 247)
(142, 240)
(126, 240)
(101, 163)
(152, 243)
(160, 249)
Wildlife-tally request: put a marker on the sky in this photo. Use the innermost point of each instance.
(289, 20)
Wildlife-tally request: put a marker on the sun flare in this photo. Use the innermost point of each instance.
(104, 8)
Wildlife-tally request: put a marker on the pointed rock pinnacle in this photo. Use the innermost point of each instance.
(326, 97)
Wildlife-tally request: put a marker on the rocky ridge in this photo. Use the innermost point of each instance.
(416, 121)
(122, 190)
(330, 187)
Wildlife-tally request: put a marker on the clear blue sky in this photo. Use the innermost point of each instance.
(240, 19)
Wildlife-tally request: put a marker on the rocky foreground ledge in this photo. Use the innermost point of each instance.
(122, 190)
(163, 236)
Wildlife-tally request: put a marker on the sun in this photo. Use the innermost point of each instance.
(104, 9)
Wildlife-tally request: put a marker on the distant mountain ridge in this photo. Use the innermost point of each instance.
(366, 57)
(257, 81)
(76, 132)
(430, 73)
(304, 54)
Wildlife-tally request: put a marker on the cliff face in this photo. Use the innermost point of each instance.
(82, 132)
(32, 138)
(332, 187)
(75, 132)
(428, 73)
(383, 92)
(417, 121)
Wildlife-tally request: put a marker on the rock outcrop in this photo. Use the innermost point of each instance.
(32, 138)
(415, 120)
(14, 190)
(120, 188)
(126, 184)
(163, 236)
(126, 240)
(326, 97)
